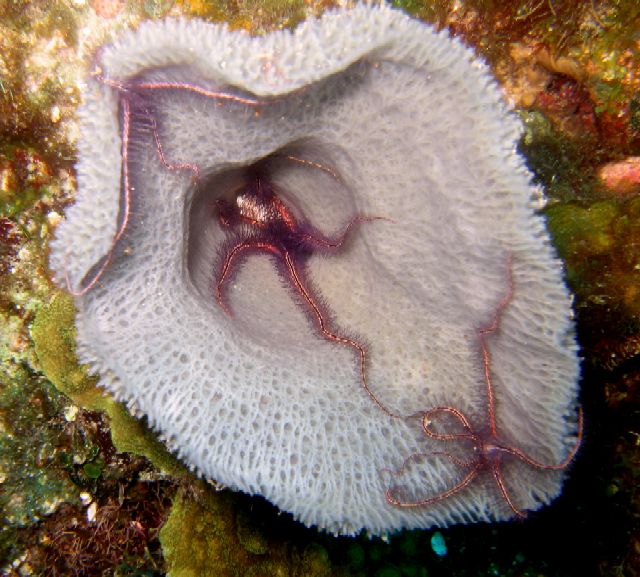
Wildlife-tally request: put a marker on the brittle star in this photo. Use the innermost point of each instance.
(261, 222)
(489, 449)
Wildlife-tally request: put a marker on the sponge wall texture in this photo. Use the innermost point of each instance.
(414, 131)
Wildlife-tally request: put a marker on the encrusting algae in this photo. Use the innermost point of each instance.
(223, 542)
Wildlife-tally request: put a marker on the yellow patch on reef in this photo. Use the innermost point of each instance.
(54, 336)
(203, 550)
(208, 535)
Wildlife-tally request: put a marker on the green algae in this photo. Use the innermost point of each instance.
(594, 230)
(596, 234)
(53, 333)
(561, 164)
(249, 536)
(599, 243)
(209, 548)
(208, 534)
(355, 556)
(580, 232)
(30, 425)
(32, 485)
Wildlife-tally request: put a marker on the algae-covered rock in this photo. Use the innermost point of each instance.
(250, 536)
(198, 539)
(210, 534)
(586, 230)
(29, 428)
(53, 334)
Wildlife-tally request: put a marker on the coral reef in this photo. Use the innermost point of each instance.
(578, 96)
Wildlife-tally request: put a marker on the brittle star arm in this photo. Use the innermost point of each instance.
(235, 254)
(475, 469)
(497, 475)
(123, 87)
(322, 326)
(338, 241)
(124, 92)
(126, 210)
(486, 355)
(427, 423)
(487, 446)
(317, 165)
(562, 465)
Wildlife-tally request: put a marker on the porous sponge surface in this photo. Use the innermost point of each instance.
(415, 128)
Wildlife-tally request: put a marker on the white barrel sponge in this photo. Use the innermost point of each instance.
(449, 391)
